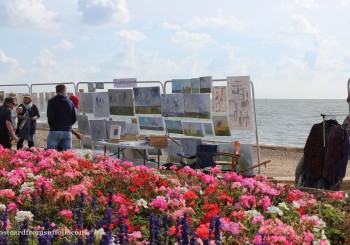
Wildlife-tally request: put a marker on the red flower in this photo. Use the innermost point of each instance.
(189, 195)
(172, 231)
(133, 188)
(202, 231)
(99, 193)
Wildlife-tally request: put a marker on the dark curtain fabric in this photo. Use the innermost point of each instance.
(325, 166)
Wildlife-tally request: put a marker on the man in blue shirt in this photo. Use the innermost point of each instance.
(61, 116)
(6, 130)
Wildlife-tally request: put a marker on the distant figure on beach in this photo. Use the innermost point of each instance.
(26, 126)
(61, 116)
(6, 130)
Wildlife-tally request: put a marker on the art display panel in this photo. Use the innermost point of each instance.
(239, 102)
(181, 86)
(100, 104)
(86, 104)
(121, 102)
(151, 123)
(221, 126)
(193, 129)
(197, 105)
(147, 100)
(173, 126)
(172, 105)
(219, 99)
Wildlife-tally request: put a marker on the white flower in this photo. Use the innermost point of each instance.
(283, 205)
(23, 215)
(295, 204)
(99, 233)
(252, 213)
(274, 210)
(26, 186)
(2, 207)
(142, 202)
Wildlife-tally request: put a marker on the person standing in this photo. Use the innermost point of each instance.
(14, 113)
(26, 126)
(61, 116)
(6, 130)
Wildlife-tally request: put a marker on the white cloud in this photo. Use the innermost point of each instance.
(306, 4)
(46, 59)
(300, 25)
(169, 26)
(228, 22)
(96, 12)
(191, 40)
(131, 35)
(345, 3)
(7, 60)
(64, 44)
(26, 13)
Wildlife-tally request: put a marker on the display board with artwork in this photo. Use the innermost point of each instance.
(121, 102)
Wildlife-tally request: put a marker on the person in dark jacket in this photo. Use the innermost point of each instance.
(61, 116)
(6, 130)
(26, 126)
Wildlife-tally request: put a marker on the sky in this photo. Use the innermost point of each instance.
(294, 49)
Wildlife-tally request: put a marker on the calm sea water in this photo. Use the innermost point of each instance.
(288, 122)
(284, 122)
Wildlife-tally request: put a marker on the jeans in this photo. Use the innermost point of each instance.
(59, 138)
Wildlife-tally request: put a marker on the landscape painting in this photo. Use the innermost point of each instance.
(85, 102)
(151, 123)
(121, 102)
(100, 104)
(131, 130)
(208, 128)
(98, 129)
(205, 84)
(173, 105)
(221, 127)
(174, 126)
(83, 125)
(195, 85)
(239, 102)
(219, 99)
(181, 86)
(147, 100)
(197, 105)
(193, 129)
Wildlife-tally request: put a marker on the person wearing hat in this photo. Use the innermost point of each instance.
(26, 126)
(6, 130)
(75, 100)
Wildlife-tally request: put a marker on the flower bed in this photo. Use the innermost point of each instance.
(49, 197)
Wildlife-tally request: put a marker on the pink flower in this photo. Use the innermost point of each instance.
(159, 203)
(248, 201)
(67, 213)
(12, 207)
(8, 193)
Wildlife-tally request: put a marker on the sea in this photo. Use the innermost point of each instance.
(284, 122)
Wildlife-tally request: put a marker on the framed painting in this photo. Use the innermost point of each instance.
(208, 129)
(151, 123)
(197, 105)
(221, 127)
(174, 126)
(193, 129)
(121, 102)
(172, 105)
(147, 100)
(181, 86)
(115, 132)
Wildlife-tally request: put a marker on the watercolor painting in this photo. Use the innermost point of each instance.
(83, 125)
(205, 84)
(100, 104)
(181, 86)
(174, 126)
(239, 102)
(219, 99)
(121, 102)
(173, 105)
(131, 129)
(195, 85)
(115, 132)
(98, 129)
(197, 105)
(221, 127)
(151, 123)
(100, 85)
(193, 129)
(85, 102)
(208, 128)
(147, 100)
